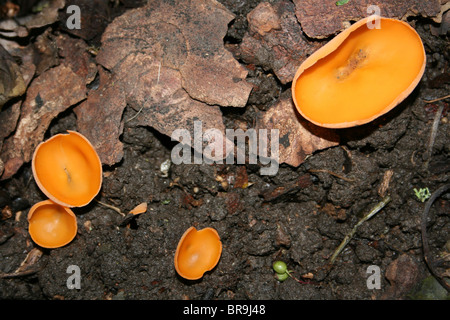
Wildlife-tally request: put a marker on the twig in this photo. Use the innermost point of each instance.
(137, 113)
(111, 207)
(426, 247)
(332, 173)
(433, 134)
(159, 73)
(438, 99)
(349, 236)
(290, 274)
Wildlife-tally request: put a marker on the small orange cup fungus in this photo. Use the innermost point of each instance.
(360, 74)
(197, 252)
(140, 208)
(67, 169)
(51, 225)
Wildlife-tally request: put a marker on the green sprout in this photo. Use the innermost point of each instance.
(341, 2)
(282, 273)
(422, 194)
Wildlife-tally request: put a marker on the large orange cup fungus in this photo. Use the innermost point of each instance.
(197, 252)
(360, 74)
(67, 169)
(51, 225)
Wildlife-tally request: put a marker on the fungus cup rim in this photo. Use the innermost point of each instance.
(333, 45)
(206, 268)
(33, 210)
(41, 185)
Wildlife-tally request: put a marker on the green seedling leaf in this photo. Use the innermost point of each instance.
(422, 194)
(341, 2)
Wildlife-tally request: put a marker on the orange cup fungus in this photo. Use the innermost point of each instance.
(197, 252)
(360, 74)
(51, 225)
(67, 169)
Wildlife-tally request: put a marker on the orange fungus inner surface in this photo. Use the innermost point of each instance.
(361, 78)
(197, 252)
(51, 225)
(67, 169)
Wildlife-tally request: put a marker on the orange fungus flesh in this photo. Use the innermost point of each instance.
(51, 225)
(197, 252)
(67, 169)
(360, 74)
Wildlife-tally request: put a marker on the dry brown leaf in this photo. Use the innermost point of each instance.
(320, 19)
(99, 118)
(186, 36)
(52, 92)
(12, 83)
(275, 40)
(164, 66)
(298, 137)
(74, 53)
(21, 26)
(10, 113)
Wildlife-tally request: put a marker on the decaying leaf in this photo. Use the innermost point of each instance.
(28, 265)
(10, 113)
(46, 52)
(12, 83)
(187, 36)
(21, 26)
(321, 19)
(298, 137)
(275, 40)
(168, 62)
(74, 53)
(52, 92)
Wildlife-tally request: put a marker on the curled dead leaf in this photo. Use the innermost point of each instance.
(52, 92)
(12, 83)
(298, 137)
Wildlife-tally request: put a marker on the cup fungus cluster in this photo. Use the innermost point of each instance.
(359, 75)
(197, 252)
(68, 171)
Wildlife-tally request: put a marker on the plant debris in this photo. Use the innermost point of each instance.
(12, 83)
(298, 137)
(275, 40)
(323, 19)
(51, 93)
(164, 67)
(21, 26)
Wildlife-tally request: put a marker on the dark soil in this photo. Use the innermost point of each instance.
(302, 225)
